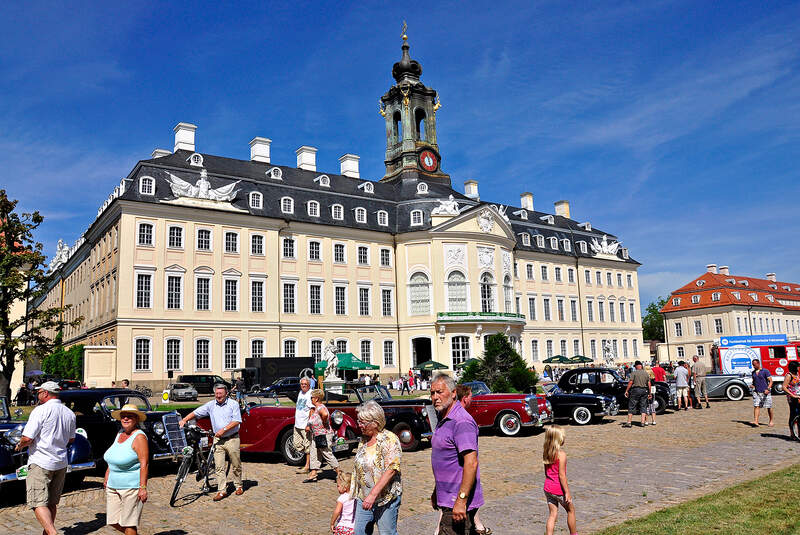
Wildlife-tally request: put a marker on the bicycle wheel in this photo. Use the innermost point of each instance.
(210, 469)
(183, 470)
(794, 428)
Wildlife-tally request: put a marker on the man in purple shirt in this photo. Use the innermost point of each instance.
(454, 459)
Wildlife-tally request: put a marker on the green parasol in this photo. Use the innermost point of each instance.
(347, 361)
(430, 365)
(580, 359)
(558, 359)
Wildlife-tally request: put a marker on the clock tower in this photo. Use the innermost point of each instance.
(409, 109)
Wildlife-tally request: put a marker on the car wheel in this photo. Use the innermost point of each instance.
(777, 388)
(349, 434)
(734, 392)
(660, 403)
(290, 455)
(581, 415)
(408, 440)
(509, 424)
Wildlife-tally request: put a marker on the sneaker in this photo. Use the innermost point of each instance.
(626, 425)
(708, 405)
(652, 423)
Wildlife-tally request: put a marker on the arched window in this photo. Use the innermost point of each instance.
(420, 294)
(369, 188)
(397, 121)
(553, 242)
(416, 218)
(255, 200)
(487, 293)
(361, 215)
(456, 292)
(539, 240)
(419, 119)
(313, 208)
(337, 212)
(422, 188)
(508, 294)
(383, 218)
(287, 205)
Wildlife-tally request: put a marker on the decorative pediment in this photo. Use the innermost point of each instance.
(175, 268)
(201, 194)
(231, 272)
(204, 270)
(605, 249)
(483, 219)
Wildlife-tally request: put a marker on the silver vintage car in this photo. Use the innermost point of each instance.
(182, 392)
(731, 386)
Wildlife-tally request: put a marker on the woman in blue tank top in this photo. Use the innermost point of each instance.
(126, 475)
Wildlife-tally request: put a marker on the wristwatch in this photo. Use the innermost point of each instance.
(462, 495)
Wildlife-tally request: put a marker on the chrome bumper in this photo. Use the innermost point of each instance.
(162, 456)
(5, 478)
(540, 421)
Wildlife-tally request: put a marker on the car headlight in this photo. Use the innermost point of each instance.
(337, 417)
(15, 435)
(549, 406)
(158, 428)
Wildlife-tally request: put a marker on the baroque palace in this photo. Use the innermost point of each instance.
(196, 262)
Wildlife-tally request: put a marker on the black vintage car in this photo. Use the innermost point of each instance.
(79, 453)
(92, 408)
(581, 409)
(285, 386)
(607, 381)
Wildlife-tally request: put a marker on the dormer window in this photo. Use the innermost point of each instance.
(523, 214)
(324, 181)
(147, 185)
(553, 242)
(368, 187)
(195, 160)
(737, 295)
(730, 281)
(676, 301)
(773, 286)
(337, 212)
(715, 296)
(586, 226)
(313, 209)
(754, 297)
(416, 218)
(539, 240)
(383, 218)
(700, 282)
(787, 288)
(770, 299)
(566, 245)
(584, 248)
(526, 239)
(744, 283)
(287, 205)
(275, 173)
(361, 215)
(695, 299)
(422, 188)
(256, 200)
(625, 253)
(550, 220)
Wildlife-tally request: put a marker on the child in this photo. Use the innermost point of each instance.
(556, 489)
(344, 514)
(651, 406)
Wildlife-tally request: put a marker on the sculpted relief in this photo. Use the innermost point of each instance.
(202, 188)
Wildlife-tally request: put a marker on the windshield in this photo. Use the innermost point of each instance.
(551, 388)
(112, 403)
(479, 387)
(180, 385)
(374, 392)
(4, 414)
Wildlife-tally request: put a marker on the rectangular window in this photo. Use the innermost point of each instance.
(564, 347)
(174, 292)
(571, 275)
(341, 346)
(257, 296)
(698, 327)
(203, 293)
(257, 349)
(142, 355)
(231, 295)
(558, 274)
(459, 350)
(612, 315)
(681, 353)
(601, 310)
(257, 245)
(549, 347)
(231, 242)
(173, 354)
(616, 348)
(608, 278)
(388, 353)
(516, 270)
(288, 298)
(529, 272)
(203, 239)
(516, 303)
(143, 290)
(313, 250)
(145, 234)
(338, 253)
(202, 354)
(738, 325)
(593, 348)
(700, 350)
(624, 348)
(316, 350)
(718, 325)
(532, 308)
(366, 351)
(534, 350)
(544, 273)
(231, 354)
(635, 349)
(386, 258)
(546, 306)
(589, 310)
(363, 301)
(632, 310)
(622, 312)
(289, 349)
(598, 278)
(576, 347)
(175, 240)
(315, 299)
(619, 280)
(288, 247)
(630, 285)
(340, 300)
(678, 329)
(587, 275)
(363, 255)
(386, 302)
(560, 306)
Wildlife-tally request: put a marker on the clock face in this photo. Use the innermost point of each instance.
(428, 160)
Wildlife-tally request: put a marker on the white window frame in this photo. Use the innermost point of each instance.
(180, 353)
(263, 281)
(167, 275)
(360, 213)
(337, 208)
(358, 255)
(344, 253)
(143, 271)
(284, 240)
(152, 234)
(263, 244)
(321, 285)
(312, 208)
(151, 181)
(447, 285)
(284, 201)
(256, 200)
(388, 265)
(210, 277)
(369, 187)
(284, 283)
(391, 302)
(526, 239)
(210, 239)
(361, 349)
(238, 352)
(283, 347)
(225, 280)
(453, 349)
(383, 218)
(319, 250)
(225, 234)
(368, 302)
(321, 348)
(171, 226)
(149, 358)
(416, 214)
(346, 299)
(346, 344)
(554, 243)
(566, 245)
(540, 241)
(430, 298)
(210, 352)
(393, 343)
(258, 339)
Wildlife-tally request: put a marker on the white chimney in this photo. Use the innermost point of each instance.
(711, 268)
(526, 201)
(723, 270)
(348, 165)
(158, 153)
(307, 158)
(471, 189)
(259, 149)
(772, 277)
(562, 208)
(184, 136)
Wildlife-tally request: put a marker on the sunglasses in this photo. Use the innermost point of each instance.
(127, 417)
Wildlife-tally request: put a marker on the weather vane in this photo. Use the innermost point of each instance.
(405, 27)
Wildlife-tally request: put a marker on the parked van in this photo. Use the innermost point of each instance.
(204, 384)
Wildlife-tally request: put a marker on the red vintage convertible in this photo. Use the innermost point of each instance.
(508, 413)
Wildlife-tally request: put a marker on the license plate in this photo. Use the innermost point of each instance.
(341, 447)
(205, 442)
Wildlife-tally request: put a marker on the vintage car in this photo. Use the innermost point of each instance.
(508, 413)
(607, 381)
(731, 386)
(182, 392)
(285, 386)
(267, 427)
(93, 406)
(581, 409)
(79, 453)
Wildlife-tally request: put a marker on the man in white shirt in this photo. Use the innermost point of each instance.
(48, 433)
(302, 438)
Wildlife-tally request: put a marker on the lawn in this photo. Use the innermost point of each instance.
(768, 505)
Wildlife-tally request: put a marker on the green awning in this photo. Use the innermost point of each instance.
(347, 361)
(558, 359)
(429, 365)
(580, 359)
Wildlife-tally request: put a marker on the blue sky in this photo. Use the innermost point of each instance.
(675, 125)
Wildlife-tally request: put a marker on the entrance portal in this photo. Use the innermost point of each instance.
(421, 350)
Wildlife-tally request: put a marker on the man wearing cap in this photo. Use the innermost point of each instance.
(638, 393)
(50, 429)
(225, 418)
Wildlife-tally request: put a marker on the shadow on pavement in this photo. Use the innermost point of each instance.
(776, 435)
(172, 532)
(91, 526)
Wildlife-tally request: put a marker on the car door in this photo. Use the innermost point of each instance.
(588, 382)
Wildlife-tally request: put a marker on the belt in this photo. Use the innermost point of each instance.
(235, 435)
(639, 387)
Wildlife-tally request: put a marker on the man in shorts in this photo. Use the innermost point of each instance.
(48, 433)
(762, 388)
(638, 393)
(699, 371)
(682, 385)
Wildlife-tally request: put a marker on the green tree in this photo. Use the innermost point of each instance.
(502, 368)
(653, 321)
(64, 363)
(23, 279)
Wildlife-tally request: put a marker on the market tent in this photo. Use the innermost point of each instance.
(429, 365)
(558, 359)
(580, 359)
(347, 361)
(467, 363)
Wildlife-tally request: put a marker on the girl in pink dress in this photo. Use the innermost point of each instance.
(556, 488)
(344, 514)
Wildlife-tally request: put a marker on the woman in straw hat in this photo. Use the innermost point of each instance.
(126, 475)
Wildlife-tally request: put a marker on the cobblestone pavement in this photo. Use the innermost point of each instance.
(686, 455)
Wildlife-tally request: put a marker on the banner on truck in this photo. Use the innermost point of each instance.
(737, 359)
(755, 340)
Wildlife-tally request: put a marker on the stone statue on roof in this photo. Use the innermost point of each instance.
(448, 207)
(604, 247)
(202, 188)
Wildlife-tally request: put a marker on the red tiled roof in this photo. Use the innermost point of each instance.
(751, 292)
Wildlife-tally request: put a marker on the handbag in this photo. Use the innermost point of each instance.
(321, 441)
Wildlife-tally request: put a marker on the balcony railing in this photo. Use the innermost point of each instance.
(484, 317)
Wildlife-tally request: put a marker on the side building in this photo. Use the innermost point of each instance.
(197, 261)
(718, 304)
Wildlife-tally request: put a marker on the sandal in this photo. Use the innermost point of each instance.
(484, 531)
(310, 480)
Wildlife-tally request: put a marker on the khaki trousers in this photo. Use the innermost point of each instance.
(227, 447)
(325, 453)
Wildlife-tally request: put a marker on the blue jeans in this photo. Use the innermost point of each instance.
(385, 516)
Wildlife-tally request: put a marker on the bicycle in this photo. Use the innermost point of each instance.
(147, 392)
(193, 455)
(794, 428)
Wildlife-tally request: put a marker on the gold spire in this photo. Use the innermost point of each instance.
(405, 27)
